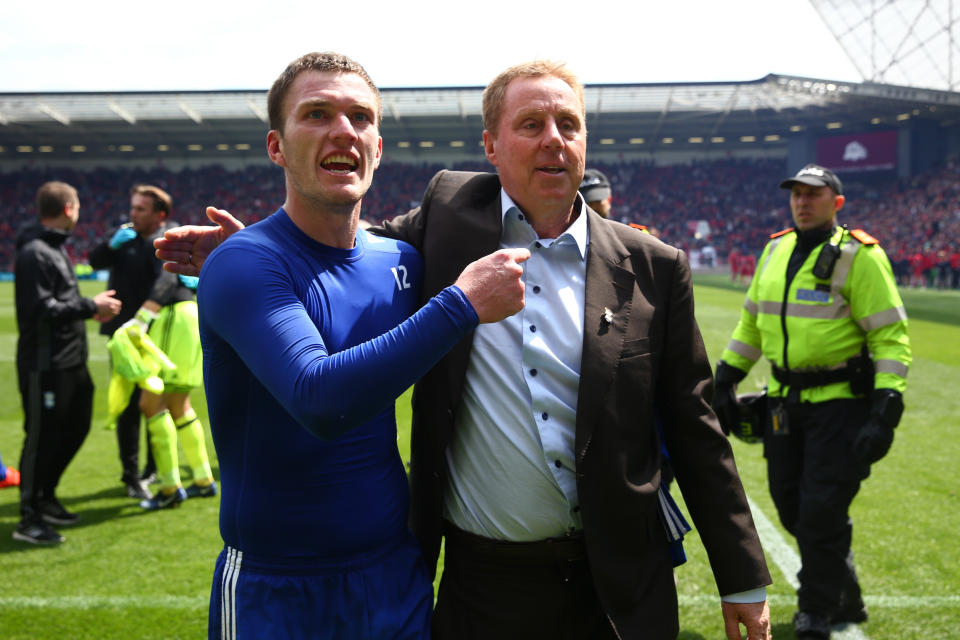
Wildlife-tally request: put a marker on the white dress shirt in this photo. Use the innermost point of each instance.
(511, 460)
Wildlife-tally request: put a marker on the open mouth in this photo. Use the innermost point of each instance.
(340, 164)
(552, 170)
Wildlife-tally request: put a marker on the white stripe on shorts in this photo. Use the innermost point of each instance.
(228, 594)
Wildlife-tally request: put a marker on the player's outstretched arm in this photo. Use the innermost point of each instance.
(494, 284)
(184, 249)
(251, 305)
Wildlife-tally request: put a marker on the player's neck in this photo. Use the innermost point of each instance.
(332, 226)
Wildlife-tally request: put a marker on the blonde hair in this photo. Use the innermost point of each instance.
(494, 93)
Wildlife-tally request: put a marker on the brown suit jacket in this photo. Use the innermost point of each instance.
(648, 364)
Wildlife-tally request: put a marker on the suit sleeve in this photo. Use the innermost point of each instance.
(700, 453)
(411, 226)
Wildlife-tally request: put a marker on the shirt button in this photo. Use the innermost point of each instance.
(538, 245)
(557, 464)
(519, 216)
(533, 328)
(544, 415)
(533, 372)
(536, 288)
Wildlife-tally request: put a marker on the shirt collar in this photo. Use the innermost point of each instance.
(576, 232)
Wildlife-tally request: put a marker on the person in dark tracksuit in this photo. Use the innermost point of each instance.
(55, 385)
(134, 270)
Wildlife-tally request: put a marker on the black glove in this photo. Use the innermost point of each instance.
(876, 435)
(725, 399)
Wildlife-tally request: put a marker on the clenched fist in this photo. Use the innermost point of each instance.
(494, 285)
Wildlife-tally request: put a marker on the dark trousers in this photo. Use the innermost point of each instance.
(57, 407)
(517, 590)
(813, 479)
(128, 440)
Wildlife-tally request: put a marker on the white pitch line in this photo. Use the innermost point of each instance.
(788, 560)
(118, 602)
(201, 602)
(881, 602)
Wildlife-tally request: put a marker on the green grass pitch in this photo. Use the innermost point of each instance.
(127, 574)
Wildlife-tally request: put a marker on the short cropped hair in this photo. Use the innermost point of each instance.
(53, 197)
(494, 94)
(161, 199)
(325, 62)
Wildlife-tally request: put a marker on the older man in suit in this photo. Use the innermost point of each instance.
(535, 449)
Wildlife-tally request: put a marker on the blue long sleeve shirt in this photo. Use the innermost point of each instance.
(306, 348)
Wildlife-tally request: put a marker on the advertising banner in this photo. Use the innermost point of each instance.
(876, 151)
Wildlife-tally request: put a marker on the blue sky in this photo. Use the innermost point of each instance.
(189, 45)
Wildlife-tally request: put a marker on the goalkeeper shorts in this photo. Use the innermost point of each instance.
(177, 332)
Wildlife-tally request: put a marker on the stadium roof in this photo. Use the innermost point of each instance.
(908, 43)
(625, 118)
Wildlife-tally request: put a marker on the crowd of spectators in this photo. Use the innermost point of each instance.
(917, 221)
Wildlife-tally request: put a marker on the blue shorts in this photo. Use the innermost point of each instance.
(385, 595)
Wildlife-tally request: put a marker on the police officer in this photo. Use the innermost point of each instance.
(824, 309)
(596, 192)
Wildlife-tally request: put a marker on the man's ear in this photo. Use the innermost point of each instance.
(839, 202)
(275, 148)
(490, 147)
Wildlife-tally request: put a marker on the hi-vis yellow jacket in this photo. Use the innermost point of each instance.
(819, 324)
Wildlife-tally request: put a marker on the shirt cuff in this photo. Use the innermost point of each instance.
(754, 595)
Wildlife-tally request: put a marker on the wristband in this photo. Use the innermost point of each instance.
(145, 316)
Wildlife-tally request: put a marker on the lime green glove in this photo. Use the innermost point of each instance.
(118, 396)
(125, 355)
(152, 353)
(137, 358)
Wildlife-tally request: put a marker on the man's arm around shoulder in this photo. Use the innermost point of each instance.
(411, 226)
(455, 188)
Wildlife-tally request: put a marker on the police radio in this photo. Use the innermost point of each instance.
(827, 259)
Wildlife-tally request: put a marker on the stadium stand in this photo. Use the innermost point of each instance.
(917, 220)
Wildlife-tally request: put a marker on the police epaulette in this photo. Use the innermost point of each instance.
(781, 233)
(642, 227)
(864, 237)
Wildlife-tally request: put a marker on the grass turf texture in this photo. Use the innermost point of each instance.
(124, 573)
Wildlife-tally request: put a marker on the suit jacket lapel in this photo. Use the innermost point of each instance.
(608, 299)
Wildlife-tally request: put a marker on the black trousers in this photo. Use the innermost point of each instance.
(57, 407)
(128, 441)
(813, 479)
(517, 590)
